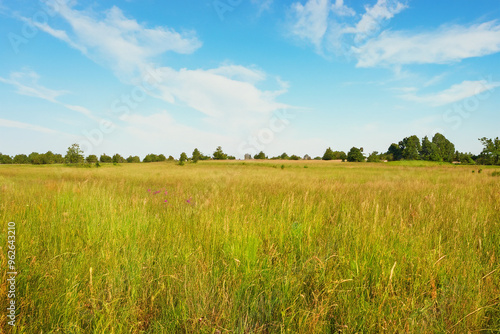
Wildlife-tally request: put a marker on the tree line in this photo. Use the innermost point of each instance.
(438, 149)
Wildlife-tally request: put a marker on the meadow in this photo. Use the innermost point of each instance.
(253, 247)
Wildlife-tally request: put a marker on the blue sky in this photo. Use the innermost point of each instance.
(138, 77)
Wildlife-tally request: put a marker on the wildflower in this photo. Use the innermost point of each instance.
(188, 200)
(166, 201)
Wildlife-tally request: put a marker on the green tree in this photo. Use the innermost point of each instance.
(430, 151)
(105, 158)
(161, 158)
(74, 155)
(91, 159)
(35, 158)
(284, 156)
(355, 155)
(58, 159)
(295, 157)
(340, 155)
(5, 159)
(48, 158)
(445, 148)
(260, 156)
(133, 159)
(183, 158)
(491, 151)
(394, 152)
(21, 159)
(464, 158)
(196, 155)
(410, 148)
(118, 159)
(328, 155)
(373, 157)
(219, 154)
(150, 158)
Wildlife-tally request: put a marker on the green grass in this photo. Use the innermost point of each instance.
(335, 247)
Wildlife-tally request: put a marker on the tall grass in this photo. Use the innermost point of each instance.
(253, 248)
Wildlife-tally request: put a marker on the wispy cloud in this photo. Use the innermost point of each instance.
(448, 44)
(26, 82)
(336, 28)
(453, 94)
(329, 25)
(117, 41)
(340, 9)
(6, 123)
(263, 5)
(227, 97)
(310, 21)
(374, 16)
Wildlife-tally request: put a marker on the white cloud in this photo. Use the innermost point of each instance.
(117, 41)
(263, 4)
(370, 21)
(342, 10)
(311, 21)
(446, 45)
(26, 82)
(453, 94)
(226, 102)
(25, 126)
(239, 73)
(434, 80)
(227, 97)
(314, 23)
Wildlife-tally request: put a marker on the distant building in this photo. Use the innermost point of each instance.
(248, 156)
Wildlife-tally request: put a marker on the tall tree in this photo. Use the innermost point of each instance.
(183, 158)
(196, 155)
(394, 152)
(219, 154)
(328, 155)
(445, 148)
(260, 156)
(410, 148)
(74, 155)
(491, 150)
(430, 151)
(355, 155)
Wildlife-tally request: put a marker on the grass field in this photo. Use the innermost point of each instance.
(220, 247)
